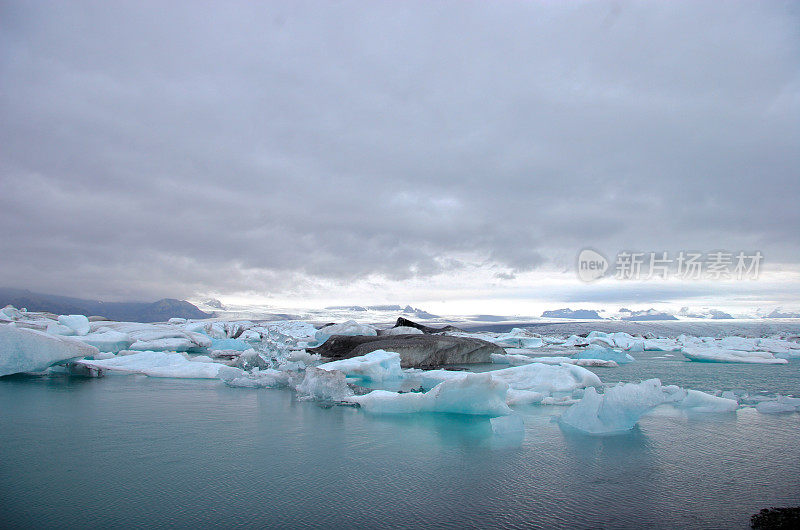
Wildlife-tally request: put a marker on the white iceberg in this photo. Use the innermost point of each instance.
(172, 344)
(11, 313)
(351, 327)
(616, 410)
(696, 401)
(27, 350)
(533, 383)
(297, 329)
(78, 323)
(159, 364)
(402, 330)
(518, 360)
(324, 385)
(517, 338)
(712, 354)
(108, 340)
(661, 344)
(595, 351)
(260, 379)
(157, 337)
(782, 405)
(54, 328)
(478, 394)
(378, 365)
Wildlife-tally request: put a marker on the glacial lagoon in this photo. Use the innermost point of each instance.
(130, 450)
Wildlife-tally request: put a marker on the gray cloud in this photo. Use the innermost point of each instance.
(151, 149)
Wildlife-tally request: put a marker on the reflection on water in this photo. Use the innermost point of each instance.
(128, 451)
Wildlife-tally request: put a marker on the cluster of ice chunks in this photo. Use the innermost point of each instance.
(515, 359)
(378, 365)
(595, 351)
(620, 407)
(28, 350)
(739, 349)
(468, 393)
(351, 327)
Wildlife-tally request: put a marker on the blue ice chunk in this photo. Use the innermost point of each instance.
(593, 351)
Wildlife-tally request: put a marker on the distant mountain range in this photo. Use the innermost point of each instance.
(419, 313)
(569, 313)
(159, 311)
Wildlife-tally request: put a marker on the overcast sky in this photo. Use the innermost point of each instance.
(385, 151)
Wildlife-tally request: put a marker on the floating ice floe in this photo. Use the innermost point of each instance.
(78, 323)
(268, 378)
(711, 354)
(696, 401)
(297, 329)
(54, 328)
(616, 410)
(517, 338)
(378, 365)
(782, 405)
(468, 393)
(661, 344)
(108, 340)
(620, 407)
(11, 313)
(533, 383)
(324, 385)
(229, 344)
(160, 364)
(157, 337)
(620, 340)
(351, 327)
(27, 350)
(595, 351)
(518, 360)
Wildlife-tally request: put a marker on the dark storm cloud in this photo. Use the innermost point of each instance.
(169, 148)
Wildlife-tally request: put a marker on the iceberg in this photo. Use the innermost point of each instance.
(712, 354)
(696, 401)
(27, 350)
(78, 323)
(324, 385)
(157, 337)
(229, 344)
(159, 364)
(402, 330)
(661, 345)
(303, 356)
(517, 338)
(518, 360)
(296, 329)
(54, 328)
(615, 411)
(782, 405)
(351, 328)
(11, 313)
(173, 344)
(108, 340)
(260, 379)
(476, 394)
(533, 383)
(594, 351)
(374, 366)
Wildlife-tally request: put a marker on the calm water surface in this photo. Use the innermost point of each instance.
(132, 450)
